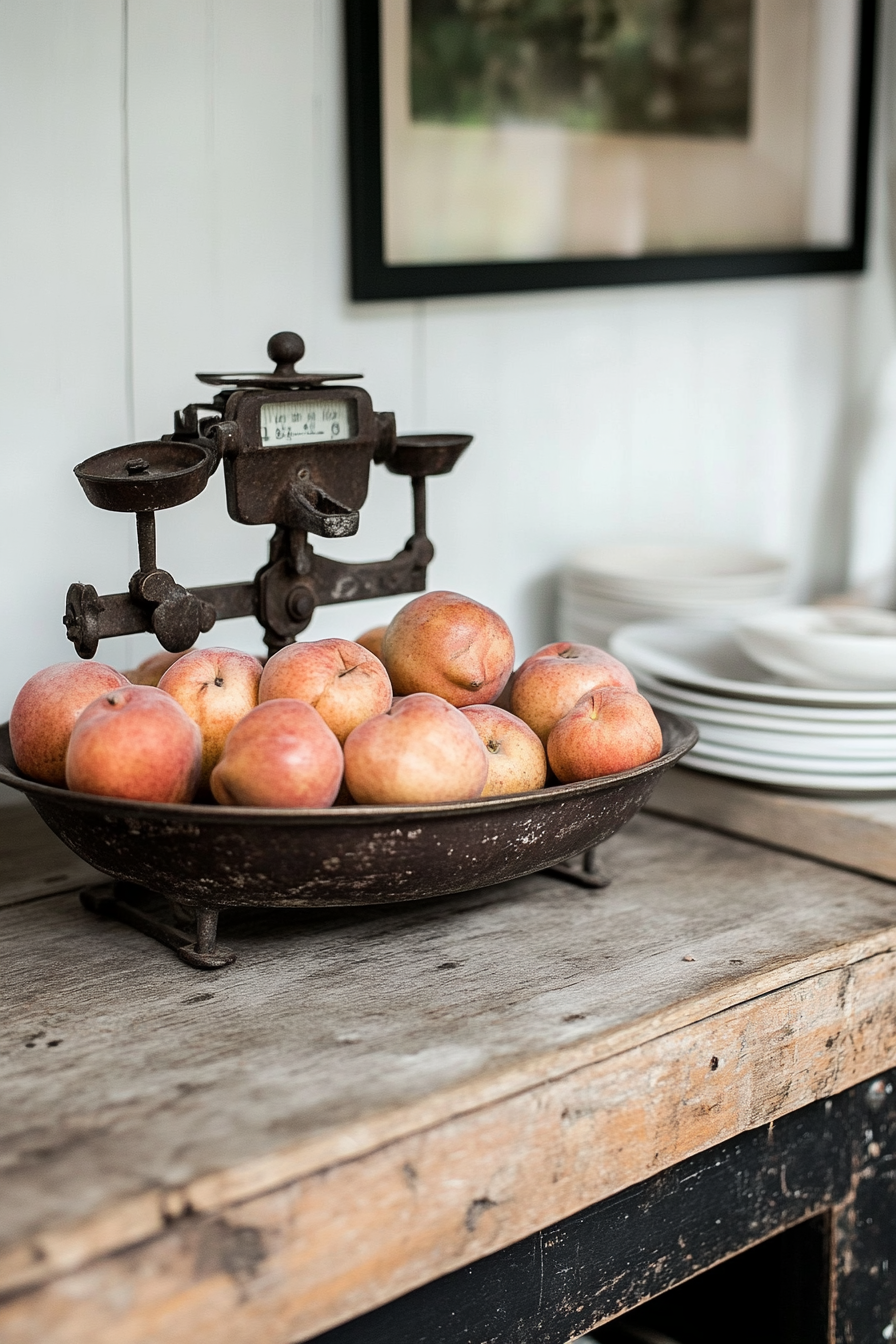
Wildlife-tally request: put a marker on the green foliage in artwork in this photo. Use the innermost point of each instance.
(639, 66)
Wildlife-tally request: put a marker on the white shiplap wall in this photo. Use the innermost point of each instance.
(174, 192)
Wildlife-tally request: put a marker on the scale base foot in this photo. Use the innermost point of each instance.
(207, 961)
(116, 900)
(583, 871)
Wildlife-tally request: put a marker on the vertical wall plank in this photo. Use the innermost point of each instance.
(61, 316)
(237, 203)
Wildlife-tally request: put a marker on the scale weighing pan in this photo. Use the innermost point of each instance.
(206, 857)
(143, 477)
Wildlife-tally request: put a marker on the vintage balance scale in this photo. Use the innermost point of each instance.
(297, 449)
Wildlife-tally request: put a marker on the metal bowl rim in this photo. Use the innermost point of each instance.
(84, 475)
(399, 812)
(274, 382)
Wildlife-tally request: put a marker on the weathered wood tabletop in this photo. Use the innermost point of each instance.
(367, 1100)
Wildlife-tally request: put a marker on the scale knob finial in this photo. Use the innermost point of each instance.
(285, 349)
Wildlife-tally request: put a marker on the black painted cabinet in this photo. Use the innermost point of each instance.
(783, 1235)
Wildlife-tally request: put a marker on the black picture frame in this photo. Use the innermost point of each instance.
(374, 279)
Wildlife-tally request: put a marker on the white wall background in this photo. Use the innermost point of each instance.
(173, 193)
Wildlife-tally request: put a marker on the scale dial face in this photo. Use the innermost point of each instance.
(294, 441)
(284, 423)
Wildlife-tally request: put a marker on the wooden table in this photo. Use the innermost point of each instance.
(501, 1116)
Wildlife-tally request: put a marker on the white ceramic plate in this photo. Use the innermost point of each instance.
(648, 594)
(798, 745)
(844, 648)
(707, 659)
(793, 726)
(749, 711)
(754, 724)
(655, 608)
(851, 767)
(795, 779)
(634, 569)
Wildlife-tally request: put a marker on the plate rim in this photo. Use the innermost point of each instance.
(698, 700)
(799, 784)
(741, 690)
(765, 760)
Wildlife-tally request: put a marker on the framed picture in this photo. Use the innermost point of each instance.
(499, 145)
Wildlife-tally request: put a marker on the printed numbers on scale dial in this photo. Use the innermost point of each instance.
(304, 422)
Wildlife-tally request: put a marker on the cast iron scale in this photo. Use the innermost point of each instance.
(297, 449)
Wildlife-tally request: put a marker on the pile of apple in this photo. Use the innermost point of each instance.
(408, 714)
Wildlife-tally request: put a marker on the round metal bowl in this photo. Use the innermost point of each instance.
(212, 857)
(427, 454)
(140, 477)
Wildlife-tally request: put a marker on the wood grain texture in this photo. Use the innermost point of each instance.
(367, 1100)
(857, 833)
(292, 1262)
(33, 863)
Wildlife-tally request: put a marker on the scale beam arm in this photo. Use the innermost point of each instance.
(283, 596)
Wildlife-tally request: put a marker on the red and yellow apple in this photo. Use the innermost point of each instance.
(135, 742)
(281, 754)
(516, 759)
(444, 644)
(372, 640)
(608, 730)
(503, 700)
(548, 684)
(344, 682)
(153, 668)
(422, 751)
(216, 687)
(45, 711)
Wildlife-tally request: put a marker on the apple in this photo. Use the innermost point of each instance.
(503, 700)
(608, 730)
(135, 742)
(516, 759)
(281, 754)
(45, 712)
(548, 684)
(216, 687)
(422, 751)
(344, 682)
(373, 640)
(153, 668)
(448, 645)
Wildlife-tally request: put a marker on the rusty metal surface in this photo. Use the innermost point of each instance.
(285, 348)
(154, 474)
(427, 454)
(210, 857)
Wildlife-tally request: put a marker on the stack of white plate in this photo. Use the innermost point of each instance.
(609, 586)
(752, 728)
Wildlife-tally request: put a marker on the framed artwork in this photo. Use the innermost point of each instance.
(500, 145)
